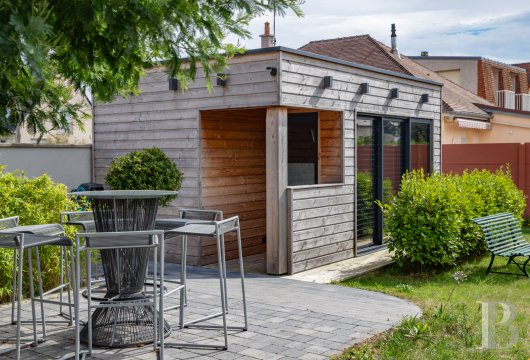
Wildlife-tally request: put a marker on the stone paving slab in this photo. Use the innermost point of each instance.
(345, 269)
(288, 319)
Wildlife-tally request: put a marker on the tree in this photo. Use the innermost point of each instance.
(100, 48)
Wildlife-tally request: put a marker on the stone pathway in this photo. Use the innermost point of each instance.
(288, 319)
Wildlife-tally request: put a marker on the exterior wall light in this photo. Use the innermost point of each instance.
(424, 98)
(221, 79)
(273, 70)
(365, 88)
(173, 84)
(328, 82)
(394, 93)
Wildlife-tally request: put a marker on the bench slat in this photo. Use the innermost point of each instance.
(503, 234)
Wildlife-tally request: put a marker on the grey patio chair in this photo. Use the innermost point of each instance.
(10, 224)
(186, 216)
(217, 230)
(84, 221)
(117, 241)
(21, 242)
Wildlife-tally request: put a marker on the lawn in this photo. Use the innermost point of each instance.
(455, 331)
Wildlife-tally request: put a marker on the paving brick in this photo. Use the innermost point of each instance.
(328, 321)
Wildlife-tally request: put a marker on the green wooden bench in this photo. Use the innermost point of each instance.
(504, 237)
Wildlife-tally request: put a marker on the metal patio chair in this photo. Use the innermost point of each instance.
(187, 216)
(217, 230)
(118, 241)
(20, 242)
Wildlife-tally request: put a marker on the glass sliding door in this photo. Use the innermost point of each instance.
(393, 162)
(366, 180)
(386, 149)
(420, 146)
(393, 157)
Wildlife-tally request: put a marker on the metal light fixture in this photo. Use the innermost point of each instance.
(365, 88)
(221, 79)
(173, 84)
(394, 93)
(424, 98)
(328, 82)
(273, 70)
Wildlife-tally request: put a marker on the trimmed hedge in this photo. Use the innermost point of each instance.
(430, 219)
(35, 201)
(147, 169)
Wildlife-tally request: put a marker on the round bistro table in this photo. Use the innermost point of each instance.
(124, 269)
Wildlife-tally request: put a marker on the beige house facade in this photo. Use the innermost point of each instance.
(503, 86)
(76, 135)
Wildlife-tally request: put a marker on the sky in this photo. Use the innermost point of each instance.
(495, 29)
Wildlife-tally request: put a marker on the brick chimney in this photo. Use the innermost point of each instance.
(267, 39)
(393, 41)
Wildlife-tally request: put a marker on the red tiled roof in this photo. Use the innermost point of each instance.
(525, 66)
(360, 49)
(364, 49)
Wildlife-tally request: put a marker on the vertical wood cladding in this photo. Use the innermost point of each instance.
(233, 175)
(330, 123)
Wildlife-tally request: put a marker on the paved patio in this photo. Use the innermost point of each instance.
(288, 319)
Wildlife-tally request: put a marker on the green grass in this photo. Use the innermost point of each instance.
(455, 331)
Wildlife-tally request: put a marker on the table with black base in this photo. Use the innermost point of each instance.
(124, 269)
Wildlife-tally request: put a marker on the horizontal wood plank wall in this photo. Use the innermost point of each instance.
(301, 86)
(233, 176)
(323, 218)
(170, 120)
(330, 127)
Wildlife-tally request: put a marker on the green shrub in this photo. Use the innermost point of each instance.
(148, 169)
(430, 219)
(35, 201)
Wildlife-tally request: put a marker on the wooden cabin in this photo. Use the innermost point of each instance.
(298, 145)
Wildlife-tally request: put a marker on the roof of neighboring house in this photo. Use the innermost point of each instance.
(496, 109)
(366, 50)
(525, 66)
(514, 67)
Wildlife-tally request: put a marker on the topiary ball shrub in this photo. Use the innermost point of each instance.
(35, 201)
(148, 169)
(430, 219)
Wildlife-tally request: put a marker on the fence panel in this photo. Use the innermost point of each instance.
(458, 157)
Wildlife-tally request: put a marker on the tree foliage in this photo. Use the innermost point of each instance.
(101, 47)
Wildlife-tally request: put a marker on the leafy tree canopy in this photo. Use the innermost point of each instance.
(48, 49)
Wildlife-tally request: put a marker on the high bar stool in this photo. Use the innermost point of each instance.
(217, 230)
(187, 216)
(10, 224)
(84, 220)
(26, 242)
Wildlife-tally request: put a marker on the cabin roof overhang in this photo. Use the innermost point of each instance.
(340, 62)
(331, 60)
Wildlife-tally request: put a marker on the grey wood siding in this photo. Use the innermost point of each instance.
(301, 85)
(322, 217)
(170, 120)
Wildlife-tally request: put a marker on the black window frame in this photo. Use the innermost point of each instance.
(406, 125)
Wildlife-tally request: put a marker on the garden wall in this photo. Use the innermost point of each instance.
(459, 157)
(67, 164)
